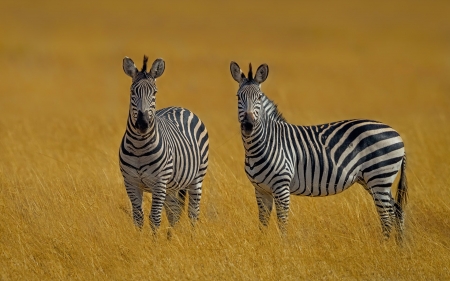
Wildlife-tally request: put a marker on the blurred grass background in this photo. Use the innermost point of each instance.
(64, 102)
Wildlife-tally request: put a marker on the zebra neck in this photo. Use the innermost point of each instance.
(271, 110)
(257, 139)
(151, 138)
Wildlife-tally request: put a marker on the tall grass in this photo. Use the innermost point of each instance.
(64, 212)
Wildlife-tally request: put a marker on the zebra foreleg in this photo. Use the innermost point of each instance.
(195, 195)
(265, 203)
(135, 195)
(282, 201)
(158, 199)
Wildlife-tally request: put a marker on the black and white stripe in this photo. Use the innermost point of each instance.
(164, 151)
(283, 159)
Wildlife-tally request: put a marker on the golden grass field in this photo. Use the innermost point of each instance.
(64, 212)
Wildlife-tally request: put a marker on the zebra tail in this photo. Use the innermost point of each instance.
(402, 189)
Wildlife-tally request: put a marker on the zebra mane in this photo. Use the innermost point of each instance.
(250, 73)
(272, 109)
(144, 66)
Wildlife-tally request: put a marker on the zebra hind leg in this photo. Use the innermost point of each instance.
(195, 190)
(174, 205)
(381, 194)
(265, 205)
(195, 195)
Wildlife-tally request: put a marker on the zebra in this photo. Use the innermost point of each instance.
(322, 160)
(164, 152)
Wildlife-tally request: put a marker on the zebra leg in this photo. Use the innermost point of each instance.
(173, 205)
(158, 198)
(381, 194)
(282, 201)
(135, 194)
(265, 203)
(195, 195)
(379, 177)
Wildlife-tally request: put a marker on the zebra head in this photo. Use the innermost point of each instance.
(249, 95)
(143, 92)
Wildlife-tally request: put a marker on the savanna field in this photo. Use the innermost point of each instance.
(64, 99)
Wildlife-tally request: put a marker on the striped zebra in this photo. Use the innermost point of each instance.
(283, 159)
(164, 152)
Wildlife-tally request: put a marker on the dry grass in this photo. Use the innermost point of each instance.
(64, 212)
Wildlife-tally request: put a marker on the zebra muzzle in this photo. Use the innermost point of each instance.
(247, 127)
(142, 121)
(247, 123)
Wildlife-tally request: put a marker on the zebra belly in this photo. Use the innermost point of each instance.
(262, 187)
(321, 183)
(171, 179)
(317, 185)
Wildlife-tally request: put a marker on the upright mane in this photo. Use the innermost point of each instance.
(144, 66)
(250, 72)
(272, 109)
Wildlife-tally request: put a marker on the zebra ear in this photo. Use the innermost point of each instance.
(236, 72)
(158, 68)
(128, 67)
(262, 73)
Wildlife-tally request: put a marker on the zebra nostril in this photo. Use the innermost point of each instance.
(142, 121)
(247, 126)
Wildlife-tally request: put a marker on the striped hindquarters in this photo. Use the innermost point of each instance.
(192, 129)
(334, 156)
